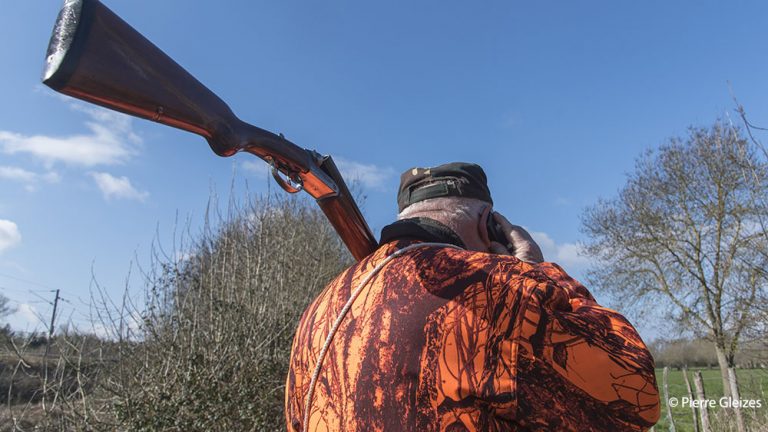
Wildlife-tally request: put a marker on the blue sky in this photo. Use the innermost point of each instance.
(554, 99)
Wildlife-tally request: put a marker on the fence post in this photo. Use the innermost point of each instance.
(735, 398)
(691, 398)
(666, 398)
(700, 395)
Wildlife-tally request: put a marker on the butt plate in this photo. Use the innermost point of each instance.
(62, 48)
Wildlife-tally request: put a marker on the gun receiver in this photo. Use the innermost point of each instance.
(96, 56)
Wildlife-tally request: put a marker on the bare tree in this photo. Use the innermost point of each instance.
(683, 237)
(757, 335)
(5, 308)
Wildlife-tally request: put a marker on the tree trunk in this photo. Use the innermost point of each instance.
(722, 361)
(734, 386)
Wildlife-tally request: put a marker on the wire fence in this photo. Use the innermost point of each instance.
(700, 400)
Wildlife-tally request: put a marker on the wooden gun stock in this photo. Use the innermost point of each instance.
(96, 56)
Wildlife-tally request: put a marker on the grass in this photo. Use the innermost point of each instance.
(20, 417)
(753, 384)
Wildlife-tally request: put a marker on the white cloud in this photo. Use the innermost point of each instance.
(752, 227)
(258, 167)
(183, 256)
(117, 187)
(25, 317)
(17, 174)
(369, 175)
(132, 328)
(101, 331)
(111, 140)
(569, 255)
(9, 234)
(28, 313)
(29, 178)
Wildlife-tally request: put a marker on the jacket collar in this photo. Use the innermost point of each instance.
(422, 229)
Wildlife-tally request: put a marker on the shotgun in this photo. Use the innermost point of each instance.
(95, 56)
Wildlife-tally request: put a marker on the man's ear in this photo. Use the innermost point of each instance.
(482, 227)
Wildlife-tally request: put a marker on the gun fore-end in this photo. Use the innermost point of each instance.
(345, 216)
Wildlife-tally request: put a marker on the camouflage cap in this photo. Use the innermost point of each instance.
(455, 179)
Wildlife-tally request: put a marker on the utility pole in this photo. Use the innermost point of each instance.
(48, 347)
(53, 316)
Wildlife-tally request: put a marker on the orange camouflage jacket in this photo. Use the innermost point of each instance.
(451, 340)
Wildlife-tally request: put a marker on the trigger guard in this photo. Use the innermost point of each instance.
(287, 185)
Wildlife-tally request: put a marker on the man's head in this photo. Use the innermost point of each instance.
(454, 194)
(455, 179)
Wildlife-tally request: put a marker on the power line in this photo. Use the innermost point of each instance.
(41, 297)
(25, 281)
(25, 290)
(19, 303)
(32, 292)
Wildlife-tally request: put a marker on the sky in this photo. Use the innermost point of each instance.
(554, 99)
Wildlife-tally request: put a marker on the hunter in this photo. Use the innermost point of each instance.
(446, 327)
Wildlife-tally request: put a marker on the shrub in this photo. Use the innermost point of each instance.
(210, 349)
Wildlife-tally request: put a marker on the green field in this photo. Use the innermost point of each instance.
(753, 384)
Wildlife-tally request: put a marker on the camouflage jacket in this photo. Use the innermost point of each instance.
(452, 340)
